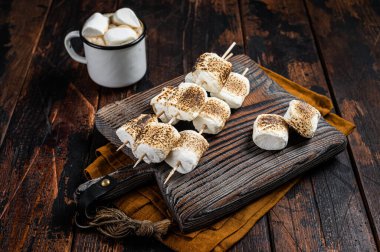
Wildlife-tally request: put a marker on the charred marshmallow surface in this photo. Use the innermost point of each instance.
(234, 90)
(155, 142)
(187, 102)
(302, 117)
(132, 129)
(214, 115)
(159, 103)
(270, 132)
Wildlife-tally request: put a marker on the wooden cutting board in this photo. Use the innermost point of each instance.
(234, 171)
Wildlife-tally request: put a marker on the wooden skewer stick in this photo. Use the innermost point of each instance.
(229, 56)
(172, 172)
(245, 71)
(229, 50)
(122, 146)
(173, 118)
(160, 114)
(204, 126)
(140, 159)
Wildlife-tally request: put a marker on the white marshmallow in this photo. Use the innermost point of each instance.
(159, 103)
(234, 90)
(126, 16)
(119, 35)
(302, 117)
(214, 115)
(96, 40)
(155, 142)
(187, 151)
(187, 102)
(270, 132)
(132, 129)
(189, 78)
(95, 26)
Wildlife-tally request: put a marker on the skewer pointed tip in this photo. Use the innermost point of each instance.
(122, 146)
(138, 161)
(172, 173)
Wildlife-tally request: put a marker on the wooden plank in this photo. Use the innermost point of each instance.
(310, 217)
(188, 37)
(47, 143)
(20, 33)
(348, 37)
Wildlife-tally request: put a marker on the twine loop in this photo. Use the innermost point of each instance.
(114, 223)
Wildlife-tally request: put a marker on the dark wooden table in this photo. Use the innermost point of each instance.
(48, 103)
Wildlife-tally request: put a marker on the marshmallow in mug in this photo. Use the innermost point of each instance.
(95, 26)
(112, 29)
(126, 16)
(119, 35)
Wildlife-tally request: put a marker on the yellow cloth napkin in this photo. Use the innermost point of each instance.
(146, 203)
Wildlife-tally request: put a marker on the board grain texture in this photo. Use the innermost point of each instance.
(234, 171)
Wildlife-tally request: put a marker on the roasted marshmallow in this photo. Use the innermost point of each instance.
(132, 129)
(126, 16)
(187, 151)
(155, 142)
(234, 90)
(187, 102)
(213, 116)
(270, 132)
(95, 26)
(159, 103)
(119, 35)
(211, 72)
(302, 117)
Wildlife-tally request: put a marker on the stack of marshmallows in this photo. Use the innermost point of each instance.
(113, 29)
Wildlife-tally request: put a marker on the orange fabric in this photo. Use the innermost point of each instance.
(146, 203)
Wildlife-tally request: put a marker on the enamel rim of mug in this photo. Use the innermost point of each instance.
(134, 42)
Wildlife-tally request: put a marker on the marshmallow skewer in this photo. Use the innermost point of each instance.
(229, 56)
(229, 50)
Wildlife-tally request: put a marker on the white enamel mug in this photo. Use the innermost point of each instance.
(111, 66)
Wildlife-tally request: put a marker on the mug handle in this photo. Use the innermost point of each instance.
(69, 48)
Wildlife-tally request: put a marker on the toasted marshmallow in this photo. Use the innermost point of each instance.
(96, 25)
(132, 129)
(211, 72)
(214, 115)
(270, 132)
(119, 35)
(159, 103)
(155, 142)
(187, 151)
(189, 78)
(234, 90)
(187, 103)
(302, 117)
(126, 16)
